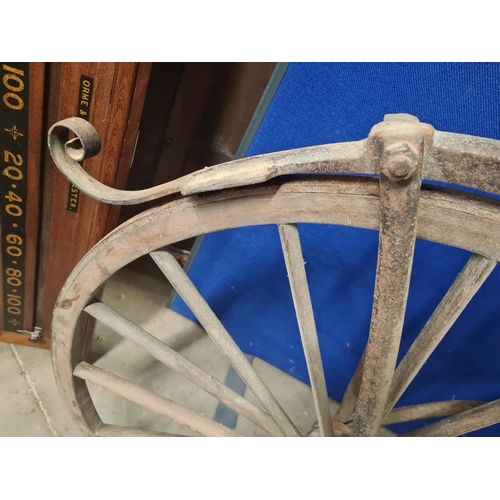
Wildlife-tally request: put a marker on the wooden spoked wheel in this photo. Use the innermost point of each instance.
(444, 217)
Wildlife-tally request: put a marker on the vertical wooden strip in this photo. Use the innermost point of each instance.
(112, 166)
(130, 139)
(72, 234)
(297, 278)
(69, 230)
(53, 80)
(464, 288)
(122, 93)
(156, 114)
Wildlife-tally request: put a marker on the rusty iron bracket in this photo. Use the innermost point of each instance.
(399, 145)
(35, 335)
(478, 159)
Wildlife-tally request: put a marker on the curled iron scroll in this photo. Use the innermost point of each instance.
(67, 153)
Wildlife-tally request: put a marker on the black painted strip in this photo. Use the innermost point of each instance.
(14, 111)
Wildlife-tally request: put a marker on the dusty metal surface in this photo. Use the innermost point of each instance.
(399, 152)
(478, 158)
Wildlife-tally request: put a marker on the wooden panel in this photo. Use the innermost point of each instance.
(196, 85)
(212, 111)
(130, 140)
(236, 94)
(175, 101)
(213, 108)
(205, 106)
(74, 231)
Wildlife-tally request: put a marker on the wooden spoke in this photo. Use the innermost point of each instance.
(178, 363)
(400, 180)
(348, 403)
(294, 260)
(189, 293)
(463, 423)
(154, 402)
(107, 430)
(429, 410)
(466, 285)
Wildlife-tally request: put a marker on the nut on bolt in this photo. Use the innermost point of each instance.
(399, 162)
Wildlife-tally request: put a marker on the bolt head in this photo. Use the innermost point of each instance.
(399, 162)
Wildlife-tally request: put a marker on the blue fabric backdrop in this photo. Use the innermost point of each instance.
(242, 273)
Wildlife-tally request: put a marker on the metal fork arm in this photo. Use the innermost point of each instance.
(452, 158)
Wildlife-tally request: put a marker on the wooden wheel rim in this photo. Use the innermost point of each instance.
(451, 219)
